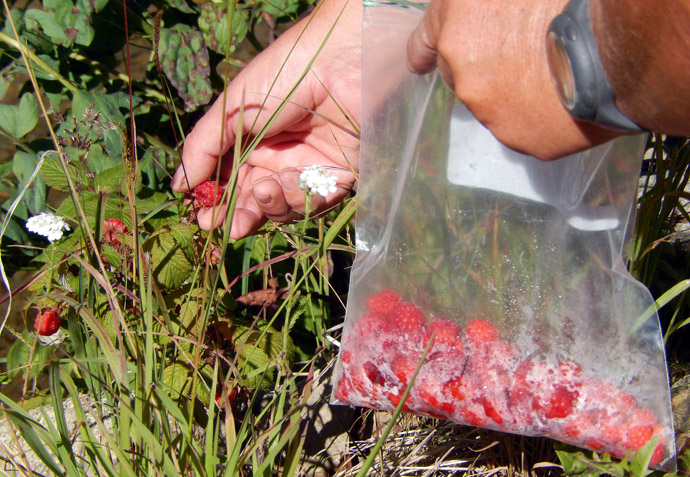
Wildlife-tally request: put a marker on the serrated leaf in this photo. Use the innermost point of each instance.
(112, 208)
(170, 266)
(54, 175)
(19, 120)
(185, 61)
(176, 381)
(261, 350)
(110, 180)
(111, 255)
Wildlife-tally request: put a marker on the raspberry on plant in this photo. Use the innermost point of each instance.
(480, 331)
(112, 229)
(208, 194)
(47, 323)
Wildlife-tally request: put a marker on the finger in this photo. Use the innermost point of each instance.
(421, 46)
(211, 217)
(209, 140)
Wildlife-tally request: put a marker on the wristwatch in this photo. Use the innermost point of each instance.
(577, 72)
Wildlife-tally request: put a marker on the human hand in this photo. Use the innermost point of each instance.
(493, 54)
(311, 129)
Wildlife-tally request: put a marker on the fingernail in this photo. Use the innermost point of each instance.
(288, 180)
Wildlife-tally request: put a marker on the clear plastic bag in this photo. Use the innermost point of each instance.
(509, 269)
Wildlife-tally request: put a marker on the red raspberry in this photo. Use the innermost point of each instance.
(472, 418)
(458, 388)
(208, 194)
(480, 331)
(343, 390)
(407, 318)
(372, 324)
(112, 229)
(491, 412)
(373, 373)
(658, 454)
(383, 302)
(395, 400)
(638, 436)
(447, 333)
(561, 403)
(403, 367)
(232, 393)
(47, 323)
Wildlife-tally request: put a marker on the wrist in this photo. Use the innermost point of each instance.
(577, 71)
(643, 48)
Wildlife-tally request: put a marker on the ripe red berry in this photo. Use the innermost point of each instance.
(480, 331)
(371, 324)
(208, 194)
(403, 367)
(561, 403)
(407, 318)
(491, 412)
(638, 436)
(47, 323)
(112, 229)
(446, 333)
(383, 302)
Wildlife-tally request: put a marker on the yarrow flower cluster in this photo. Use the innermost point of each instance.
(317, 180)
(50, 226)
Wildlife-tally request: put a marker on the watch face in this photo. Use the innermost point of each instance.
(561, 70)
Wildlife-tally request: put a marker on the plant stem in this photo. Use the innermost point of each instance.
(38, 62)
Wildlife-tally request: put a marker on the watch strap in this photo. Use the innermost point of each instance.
(594, 99)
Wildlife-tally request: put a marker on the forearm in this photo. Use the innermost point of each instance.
(645, 50)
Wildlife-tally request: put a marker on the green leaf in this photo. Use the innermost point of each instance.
(176, 381)
(5, 81)
(54, 175)
(281, 8)
(106, 127)
(23, 166)
(17, 358)
(170, 266)
(185, 61)
(213, 22)
(110, 180)
(47, 22)
(111, 255)
(180, 5)
(19, 120)
(74, 19)
(262, 350)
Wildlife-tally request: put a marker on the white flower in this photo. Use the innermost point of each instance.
(317, 180)
(48, 225)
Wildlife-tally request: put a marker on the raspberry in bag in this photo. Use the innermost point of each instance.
(509, 269)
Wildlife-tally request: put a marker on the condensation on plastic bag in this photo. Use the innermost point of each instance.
(508, 267)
